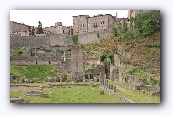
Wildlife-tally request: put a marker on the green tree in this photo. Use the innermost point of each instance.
(124, 27)
(119, 26)
(150, 20)
(39, 28)
(114, 32)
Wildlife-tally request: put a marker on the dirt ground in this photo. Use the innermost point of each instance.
(23, 88)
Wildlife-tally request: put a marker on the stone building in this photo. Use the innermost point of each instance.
(80, 24)
(59, 29)
(85, 23)
(16, 28)
(50, 30)
(126, 20)
(67, 30)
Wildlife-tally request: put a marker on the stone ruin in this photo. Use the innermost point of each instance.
(77, 64)
(35, 93)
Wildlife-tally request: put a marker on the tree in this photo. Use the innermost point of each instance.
(114, 32)
(119, 26)
(39, 28)
(124, 28)
(147, 22)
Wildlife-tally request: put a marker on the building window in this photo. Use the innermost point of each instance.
(95, 25)
(83, 25)
(63, 31)
(68, 31)
(102, 22)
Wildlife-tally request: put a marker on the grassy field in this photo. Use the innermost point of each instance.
(84, 94)
(33, 71)
(78, 94)
(18, 51)
(16, 94)
(136, 96)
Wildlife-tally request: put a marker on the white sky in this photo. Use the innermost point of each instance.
(50, 17)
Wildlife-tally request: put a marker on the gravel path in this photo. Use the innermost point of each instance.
(23, 88)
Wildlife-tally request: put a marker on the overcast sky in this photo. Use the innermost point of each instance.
(50, 17)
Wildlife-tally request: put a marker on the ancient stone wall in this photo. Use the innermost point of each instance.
(58, 39)
(33, 60)
(28, 41)
(93, 37)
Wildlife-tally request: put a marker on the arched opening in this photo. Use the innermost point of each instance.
(49, 62)
(36, 63)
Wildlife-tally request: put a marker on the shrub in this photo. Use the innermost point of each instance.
(20, 52)
(75, 39)
(98, 35)
(154, 82)
(114, 32)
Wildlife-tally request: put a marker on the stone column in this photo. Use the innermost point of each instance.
(100, 78)
(107, 83)
(60, 79)
(114, 88)
(111, 87)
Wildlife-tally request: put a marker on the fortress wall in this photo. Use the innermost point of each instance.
(52, 40)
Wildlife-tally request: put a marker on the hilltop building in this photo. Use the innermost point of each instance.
(85, 23)
(59, 29)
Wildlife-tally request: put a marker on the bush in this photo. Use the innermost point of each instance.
(136, 34)
(64, 77)
(125, 36)
(75, 39)
(154, 82)
(114, 32)
(20, 52)
(98, 35)
(130, 34)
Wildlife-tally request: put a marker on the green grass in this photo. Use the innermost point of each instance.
(33, 71)
(18, 51)
(136, 96)
(78, 94)
(16, 94)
